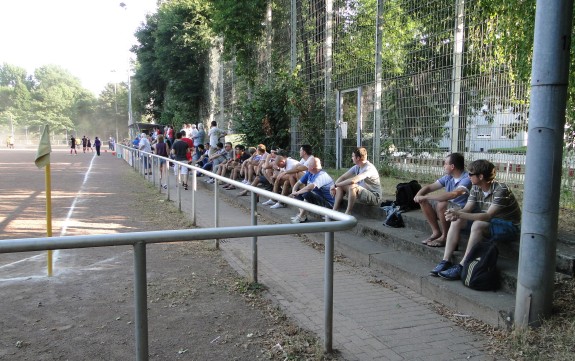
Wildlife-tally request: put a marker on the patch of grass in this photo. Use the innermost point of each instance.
(515, 150)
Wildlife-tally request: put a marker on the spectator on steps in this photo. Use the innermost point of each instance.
(360, 183)
(457, 184)
(492, 211)
(313, 187)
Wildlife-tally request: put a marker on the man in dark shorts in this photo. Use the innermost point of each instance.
(73, 145)
(180, 151)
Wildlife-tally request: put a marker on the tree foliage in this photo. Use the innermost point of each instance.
(173, 58)
(240, 25)
(264, 117)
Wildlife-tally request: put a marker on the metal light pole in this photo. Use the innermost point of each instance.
(116, 107)
(130, 120)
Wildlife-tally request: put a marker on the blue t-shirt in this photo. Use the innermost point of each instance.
(322, 182)
(451, 184)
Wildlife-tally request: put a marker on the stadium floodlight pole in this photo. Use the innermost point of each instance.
(115, 104)
(130, 119)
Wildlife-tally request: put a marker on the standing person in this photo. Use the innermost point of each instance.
(73, 145)
(361, 183)
(145, 146)
(194, 132)
(215, 134)
(180, 150)
(170, 134)
(10, 142)
(89, 146)
(162, 149)
(493, 211)
(97, 144)
(457, 184)
(199, 138)
(84, 143)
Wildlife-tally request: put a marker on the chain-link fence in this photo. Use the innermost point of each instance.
(410, 80)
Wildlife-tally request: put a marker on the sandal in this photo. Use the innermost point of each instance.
(436, 243)
(429, 239)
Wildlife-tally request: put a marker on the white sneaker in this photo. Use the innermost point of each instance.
(278, 205)
(298, 219)
(211, 180)
(269, 202)
(245, 181)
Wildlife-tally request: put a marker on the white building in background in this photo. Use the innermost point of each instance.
(491, 130)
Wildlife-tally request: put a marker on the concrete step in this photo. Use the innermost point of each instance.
(415, 220)
(398, 253)
(409, 240)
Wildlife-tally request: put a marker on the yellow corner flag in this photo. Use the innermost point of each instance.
(44, 149)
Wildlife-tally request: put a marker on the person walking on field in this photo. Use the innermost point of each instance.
(89, 145)
(73, 145)
(97, 144)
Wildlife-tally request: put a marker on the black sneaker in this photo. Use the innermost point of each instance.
(185, 187)
(441, 266)
(452, 274)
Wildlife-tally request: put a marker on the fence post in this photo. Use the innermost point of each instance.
(216, 210)
(254, 207)
(141, 301)
(328, 290)
(194, 188)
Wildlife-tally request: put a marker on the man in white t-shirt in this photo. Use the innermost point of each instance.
(286, 166)
(360, 183)
(214, 135)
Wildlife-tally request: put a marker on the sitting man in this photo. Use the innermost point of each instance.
(360, 183)
(313, 187)
(493, 211)
(457, 184)
(287, 167)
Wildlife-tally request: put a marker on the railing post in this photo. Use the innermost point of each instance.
(216, 211)
(328, 290)
(141, 301)
(254, 206)
(194, 188)
(179, 187)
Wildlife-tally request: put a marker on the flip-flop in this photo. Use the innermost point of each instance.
(430, 239)
(435, 243)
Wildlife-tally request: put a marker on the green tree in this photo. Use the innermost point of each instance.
(240, 25)
(174, 48)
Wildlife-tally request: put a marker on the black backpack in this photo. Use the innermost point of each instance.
(480, 268)
(404, 194)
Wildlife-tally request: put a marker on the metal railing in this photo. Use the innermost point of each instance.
(334, 221)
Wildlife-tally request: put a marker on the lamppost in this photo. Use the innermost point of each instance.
(116, 106)
(130, 120)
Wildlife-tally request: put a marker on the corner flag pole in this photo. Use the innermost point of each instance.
(43, 160)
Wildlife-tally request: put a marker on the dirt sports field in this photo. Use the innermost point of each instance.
(198, 307)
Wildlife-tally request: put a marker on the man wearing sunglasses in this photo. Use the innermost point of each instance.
(492, 210)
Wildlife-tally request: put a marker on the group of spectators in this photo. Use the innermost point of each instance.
(473, 200)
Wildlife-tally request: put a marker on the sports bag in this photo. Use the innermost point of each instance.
(404, 194)
(480, 268)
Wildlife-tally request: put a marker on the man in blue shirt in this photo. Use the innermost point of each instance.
(313, 187)
(457, 184)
